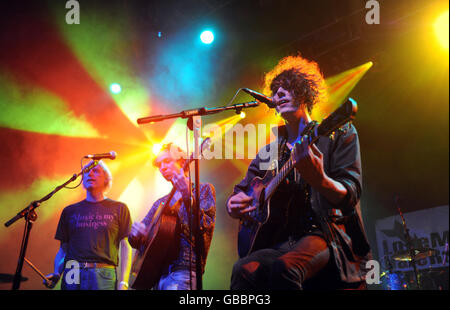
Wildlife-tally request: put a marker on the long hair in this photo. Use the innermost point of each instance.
(299, 76)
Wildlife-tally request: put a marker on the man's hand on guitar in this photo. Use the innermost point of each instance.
(138, 229)
(239, 205)
(309, 162)
(180, 181)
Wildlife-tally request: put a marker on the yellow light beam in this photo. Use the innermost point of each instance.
(441, 29)
(339, 87)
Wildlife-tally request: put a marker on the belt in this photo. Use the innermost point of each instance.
(96, 265)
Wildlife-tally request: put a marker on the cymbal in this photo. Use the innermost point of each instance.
(418, 253)
(9, 278)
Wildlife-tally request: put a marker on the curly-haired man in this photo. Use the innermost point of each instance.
(314, 237)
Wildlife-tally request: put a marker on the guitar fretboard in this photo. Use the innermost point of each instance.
(286, 169)
(281, 175)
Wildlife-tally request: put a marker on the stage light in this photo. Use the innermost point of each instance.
(339, 87)
(242, 114)
(441, 29)
(207, 37)
(115, 88)
(156, 148)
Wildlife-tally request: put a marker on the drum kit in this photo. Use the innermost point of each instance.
(426, 279)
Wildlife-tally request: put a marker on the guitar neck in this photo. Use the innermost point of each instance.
(346, 112)
(281, 175)
(286, 169)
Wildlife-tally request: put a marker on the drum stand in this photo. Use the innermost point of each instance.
(412, 251)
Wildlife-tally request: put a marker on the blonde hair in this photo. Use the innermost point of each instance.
(106, 172)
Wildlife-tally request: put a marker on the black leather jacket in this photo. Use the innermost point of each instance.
(340, 224)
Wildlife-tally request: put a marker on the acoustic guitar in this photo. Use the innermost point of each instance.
(160, 244)
(262, 189)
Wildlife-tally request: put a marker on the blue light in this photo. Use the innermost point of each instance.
(207, 37)
(395, 282)
(174, 73)
(115, 88)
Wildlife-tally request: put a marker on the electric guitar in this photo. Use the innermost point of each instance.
(262, 189)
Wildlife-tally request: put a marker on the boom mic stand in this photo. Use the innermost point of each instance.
(30, 216)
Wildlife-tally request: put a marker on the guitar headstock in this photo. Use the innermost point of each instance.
(345, 113)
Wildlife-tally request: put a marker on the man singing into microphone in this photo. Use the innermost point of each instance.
(314, 237)
(92, 233)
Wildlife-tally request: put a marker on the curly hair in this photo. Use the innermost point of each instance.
(299, 76)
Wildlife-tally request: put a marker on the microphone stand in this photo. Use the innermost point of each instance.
(30, 216)
(194, 123)
(412, 251)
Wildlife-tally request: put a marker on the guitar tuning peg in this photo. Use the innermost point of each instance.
(274, 167)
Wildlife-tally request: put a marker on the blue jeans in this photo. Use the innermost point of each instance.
(89, 279)
(177, 279)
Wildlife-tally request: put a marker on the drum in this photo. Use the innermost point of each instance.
(393, 281)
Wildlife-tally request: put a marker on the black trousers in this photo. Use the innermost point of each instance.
(286, 266)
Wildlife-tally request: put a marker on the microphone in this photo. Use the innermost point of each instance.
(110, 155)
(260, 97)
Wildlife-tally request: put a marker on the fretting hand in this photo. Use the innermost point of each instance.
(309, 162)
(181, 183)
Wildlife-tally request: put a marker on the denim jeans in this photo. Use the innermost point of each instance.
(286, 266)
(177, 279)
(90, 279)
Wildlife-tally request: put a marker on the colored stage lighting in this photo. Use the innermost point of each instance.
(441, 29)
(115, 88)
(207, 37)
(242, 114)
(156, 148)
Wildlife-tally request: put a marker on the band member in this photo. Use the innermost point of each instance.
(179, 274)
(92, 232)
(314, 237)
